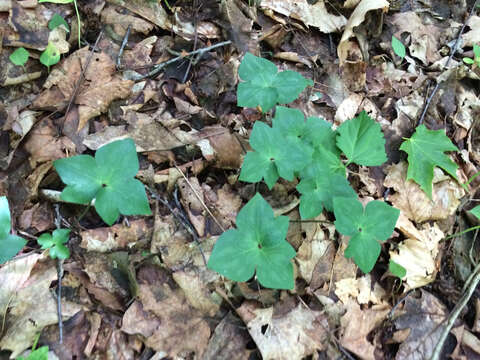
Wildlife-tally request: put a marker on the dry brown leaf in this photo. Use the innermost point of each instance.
(152, 11)
(311, 15)
(24, 319)
(183, 328)
(418, 253)
(356, 326)
(357, 17)
(116, 237)
(294, 335)
(100, 87)
(360, 289)
(112, 15)
(413, 201)
(472, 37)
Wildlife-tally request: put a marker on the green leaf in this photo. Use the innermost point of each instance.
(39, 354)
(278, 149)
(320, 190)
(264, 86)
(366, 227)
(476, 211)
(50, 56)
(398, 47)
(10, 244)
(56, 1)
(56, 21)
(55, 242)
(362, 141)
(108, 178)
(476, 51)
(397, 269)
(468, 61)
(425, 150)
(19, 56)
(257, 245)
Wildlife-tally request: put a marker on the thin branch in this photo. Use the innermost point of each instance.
(122, 47)
(195, 5)
(58, 222)
(157, 68)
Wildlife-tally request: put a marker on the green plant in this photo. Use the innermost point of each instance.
(37, 354)
(425, 150)
(50, 56)
(264, 86)
(19, 56)
(308, 149)
(55, 243)
(56, 21)
(108, 179)
(398, 47)
(10, 244)
(476, 57)
(76, 12)
(258, 244)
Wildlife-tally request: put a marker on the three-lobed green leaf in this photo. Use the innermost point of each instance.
(55, 242)
(258, 246)
(10, 244)
(108, 178)
(366, 227)
(425, 150)
(362, 141)
(264, 86)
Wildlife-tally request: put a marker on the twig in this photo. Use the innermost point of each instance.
(157, 68)
(454, 50)
(122, 47)
(182, 219)
(469, 289)
(197, 195)
(195, 21)
(82, 75)
(58, 222)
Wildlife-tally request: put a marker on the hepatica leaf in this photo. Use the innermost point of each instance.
(263, 85)
(362, 141)
(257, 245)
(56, 21)
(50, 56)
(10, 244)
(398, 47)
(108, 178)
(425, 150)
(366, 228)
(19, 56)
(55, 242)
(279, 150)
(476, 211)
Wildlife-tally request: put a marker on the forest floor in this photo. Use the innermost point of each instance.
(140, 289)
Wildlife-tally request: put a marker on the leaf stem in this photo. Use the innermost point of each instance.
(462, 232)
(78, 21)
(472, 178)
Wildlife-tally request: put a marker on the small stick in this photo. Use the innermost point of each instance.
(122, 47)
(157, 68)
(454, 50)
(194, 41)
(82, 75)
(58, 221)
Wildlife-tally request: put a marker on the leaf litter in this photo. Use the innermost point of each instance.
(142, 288)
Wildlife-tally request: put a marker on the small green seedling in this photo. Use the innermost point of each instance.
(476, 211)
(425, 150)
(56, 21)
(10, 244)
(476, 57)
(39, 354)
(55, 243)
(50, 56)
(76, 11)
(19, 56)
(258, 246)
(108, 179)
(262, 85)
(398, 47)
(366, 228)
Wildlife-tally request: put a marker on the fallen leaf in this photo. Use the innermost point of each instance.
(294, 335)
(360, 289)
(413, 201)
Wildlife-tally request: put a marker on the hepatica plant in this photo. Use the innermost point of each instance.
(10, 244)
(311, 151)
(107, 179)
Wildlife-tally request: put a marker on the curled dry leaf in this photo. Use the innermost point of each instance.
(413, 201)
(360, 289)
(311, 15)
(418, 253)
